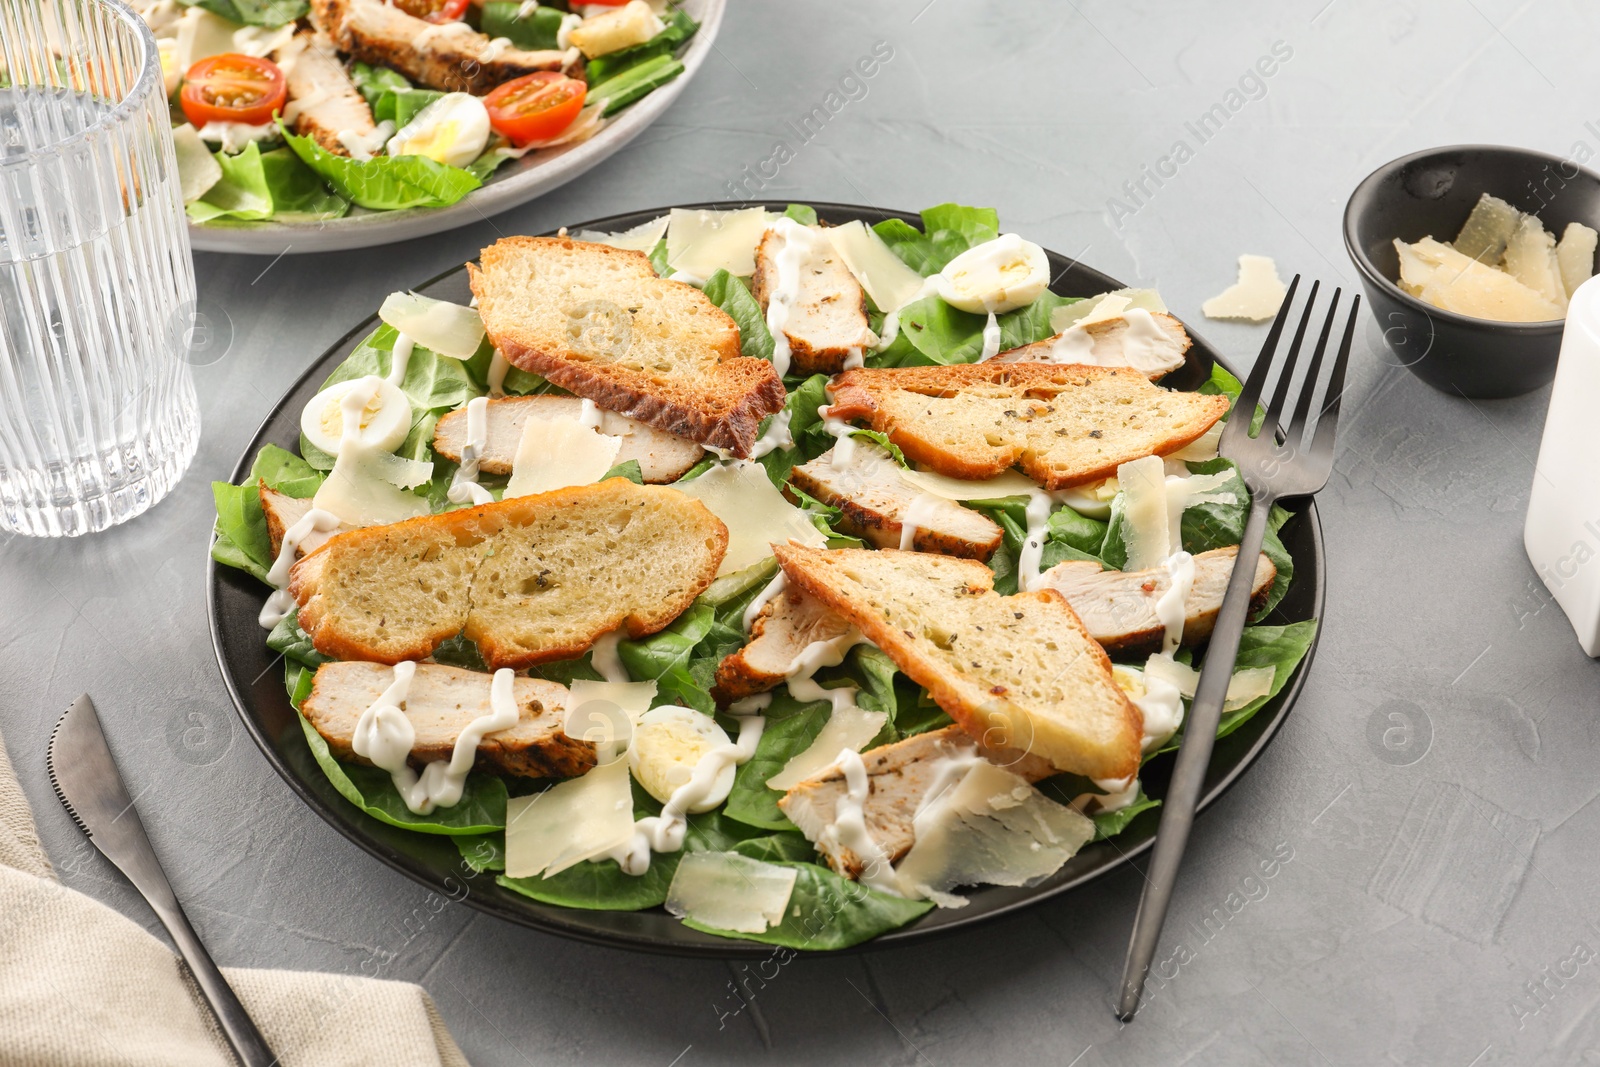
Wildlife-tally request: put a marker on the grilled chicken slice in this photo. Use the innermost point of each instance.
(1111, 343)
(441, 702)
(323, 102)
(876, 503)
(450, 56)
(828, 316)
(791, 621)
(899, 777)
(1119, 607)
(284, 511)
(663, 457)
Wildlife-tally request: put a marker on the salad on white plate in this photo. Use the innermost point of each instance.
(297, 111)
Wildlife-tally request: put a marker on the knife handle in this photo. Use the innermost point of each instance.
(248, 1044)
(144, 871)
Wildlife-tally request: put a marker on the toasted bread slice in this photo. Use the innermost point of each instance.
(451, 57)
(529, 580)
(899, 776)
(662, 457)
(875, 503)
(1019, 670)
(791, 622)
(324, 102)
(828, 315)
(598, 322)
(441, 702)
(1119, 607)
(1112, 343)
(1064, 425)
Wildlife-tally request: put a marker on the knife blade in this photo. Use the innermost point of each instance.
(85, 777)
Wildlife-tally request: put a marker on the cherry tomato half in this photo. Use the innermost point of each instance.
(535, 107)
(434, 10)
(232, 88)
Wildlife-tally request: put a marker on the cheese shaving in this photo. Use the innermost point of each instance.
(570, 822)
(556, 453)
(729, 891)
(755, 512)
(1255, 297)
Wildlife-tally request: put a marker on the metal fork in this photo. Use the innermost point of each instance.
(1298, 465)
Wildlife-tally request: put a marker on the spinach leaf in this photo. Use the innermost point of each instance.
(805, 428)
(628, 469)
(385, 182)
(804, 214)
(482, 807)
(1032, 322)
(733, 296)
(934, 333)
(391, 97)
(829, 912)
(948, 230)
(775, 848)
(658, 259)
(288, 638)
(1068, 535)
(918, 713)
(791, 727)
(666, 656)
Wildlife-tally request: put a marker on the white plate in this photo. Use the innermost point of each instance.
(516, 182)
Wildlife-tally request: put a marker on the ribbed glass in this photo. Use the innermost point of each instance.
(97, 408)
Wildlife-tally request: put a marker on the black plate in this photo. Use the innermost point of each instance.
(256, 684)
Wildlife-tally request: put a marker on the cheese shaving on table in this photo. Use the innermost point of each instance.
(1255, 297)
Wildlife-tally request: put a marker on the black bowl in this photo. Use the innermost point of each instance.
(1430, 194)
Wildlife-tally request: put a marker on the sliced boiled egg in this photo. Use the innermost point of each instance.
(668, 744)
(1093, 500)
(385, 421)
(454, 130)
(999, 275)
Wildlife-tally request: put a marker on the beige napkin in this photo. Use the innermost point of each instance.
(83, 986)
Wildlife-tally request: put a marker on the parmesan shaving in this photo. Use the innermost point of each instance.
(702, 242)
(728, 891)
(755, 512)
(570, 822)
(1255, 297)
(1248, 683)
(556, 453)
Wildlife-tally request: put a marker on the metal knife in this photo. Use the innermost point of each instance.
(89, 786)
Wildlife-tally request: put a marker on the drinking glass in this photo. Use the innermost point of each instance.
(97, 408)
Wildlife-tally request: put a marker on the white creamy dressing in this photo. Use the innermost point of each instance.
(385, 736)
(1032, 551)
(991, 338)
(400, 359)
(526, 9)
(923, 510)
(569, 23)
(425, 36)
(464, 487)
(775, 436)
(589, 414)
(844, 448)
(665, 832)
(1162, 707)
(603, 657)
(234, 137)
(1170, 605)
(891, 321)
(855, 359)
(492, 50)
(363, 146)
(686, 278)
(763, 598)
(280, 603)
(498, 366)
(1144, 345)
(849, 827)
(799, 242)
(300, 104)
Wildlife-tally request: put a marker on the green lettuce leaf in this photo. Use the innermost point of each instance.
(389, 94)
(536, 32)
(804, 214)
(482, 807)
(733, 296)
(791, 727)
(258, 185)
(948, 230)
(294, 643)
(242, 539)
(269, 13)
(829, 912)
(667, 657)
(385, 182)
(679, 28)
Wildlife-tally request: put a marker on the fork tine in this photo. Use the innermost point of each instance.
(1295, 431)
(1251, 393)
(1322, 443)
(1280, 394)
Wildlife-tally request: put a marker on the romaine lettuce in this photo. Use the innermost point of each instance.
(385, 182)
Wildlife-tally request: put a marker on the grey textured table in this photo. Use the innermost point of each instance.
(1430, 799)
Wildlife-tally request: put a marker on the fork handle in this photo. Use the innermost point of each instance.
(1194, 757)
